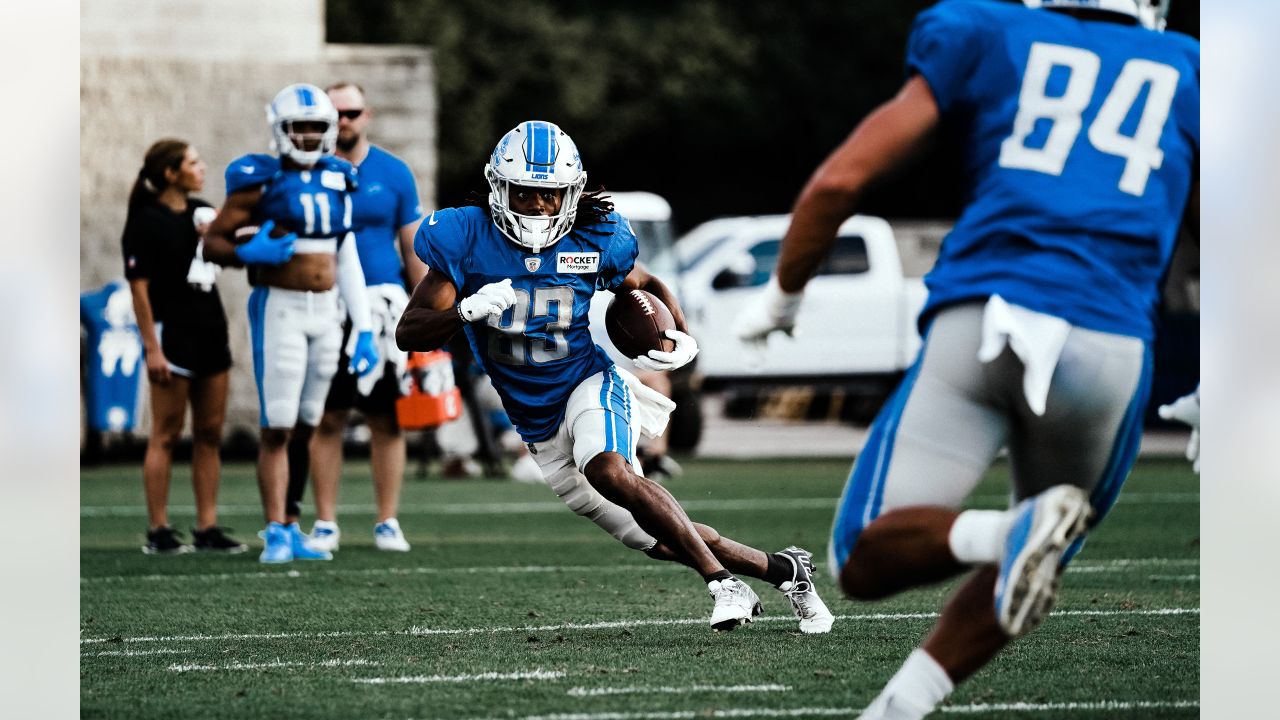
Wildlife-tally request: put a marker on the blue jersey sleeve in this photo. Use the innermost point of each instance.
(618, 254)
(945, 46)
(443, 243)
(250, 171)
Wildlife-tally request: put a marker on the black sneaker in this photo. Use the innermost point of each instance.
(165, 541)
(215, 540)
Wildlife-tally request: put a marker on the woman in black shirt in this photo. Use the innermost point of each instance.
(184, 335)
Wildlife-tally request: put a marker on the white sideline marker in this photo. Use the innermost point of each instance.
(605, 625)
(667, 690)
(538, 674)
(1079, 566)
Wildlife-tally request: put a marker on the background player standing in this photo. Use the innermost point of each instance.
(293, 308)
(519, 275)
(1080, 127)
(184, 334)
(385, 215)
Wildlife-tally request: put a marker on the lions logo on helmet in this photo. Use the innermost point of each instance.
(1151, 13)
(302, 103)
(535, 154)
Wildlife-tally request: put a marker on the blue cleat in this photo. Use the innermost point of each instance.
(302, 550)
(277, 546)
(1045, 526)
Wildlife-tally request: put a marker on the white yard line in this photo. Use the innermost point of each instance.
(668, 690)
(1079, 566)
(272, 664)
(607, 625)
(133, 653)
(986, 708)
(538, 674)
(526, 508)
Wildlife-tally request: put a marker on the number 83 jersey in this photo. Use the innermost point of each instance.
(540, 349)
(1080, 141)
(314, 203)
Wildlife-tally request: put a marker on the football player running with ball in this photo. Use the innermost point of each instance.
(1080, 123)
(293, 308)
(518, 276)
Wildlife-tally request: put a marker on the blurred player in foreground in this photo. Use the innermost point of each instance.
(385, 214)
(518, 274)
(1080, 125)
(293, 308)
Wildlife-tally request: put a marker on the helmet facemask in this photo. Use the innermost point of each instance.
(536, 155)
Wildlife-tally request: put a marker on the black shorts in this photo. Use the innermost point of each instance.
(343, 394)
(195, 350)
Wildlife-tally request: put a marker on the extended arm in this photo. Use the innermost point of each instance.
(891, 135)
(885, 140)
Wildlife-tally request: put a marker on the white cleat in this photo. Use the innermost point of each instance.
(1045, 526)
(813, 614)
(387, 536)
(324, 536)
(736, 604)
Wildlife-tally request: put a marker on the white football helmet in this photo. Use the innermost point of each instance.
(301, 102)
(1151, 13)
(535, 154)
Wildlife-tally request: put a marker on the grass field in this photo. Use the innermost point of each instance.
(510, 606)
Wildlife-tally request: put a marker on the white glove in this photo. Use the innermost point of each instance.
(685, 350)
(491, 299)
(1186, 409)
(770, 310)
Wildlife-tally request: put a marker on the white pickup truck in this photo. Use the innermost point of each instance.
(855, 331)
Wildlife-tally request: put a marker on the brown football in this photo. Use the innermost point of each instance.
(636, 321)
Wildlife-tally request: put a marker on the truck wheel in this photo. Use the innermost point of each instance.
(685, 431)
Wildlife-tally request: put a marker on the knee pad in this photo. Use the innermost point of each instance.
(586, 501)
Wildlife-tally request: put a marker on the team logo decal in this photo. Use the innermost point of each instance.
(577, 262)
(532, 264)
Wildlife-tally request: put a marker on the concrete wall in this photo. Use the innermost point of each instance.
(214, 98)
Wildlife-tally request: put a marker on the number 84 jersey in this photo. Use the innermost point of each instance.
(540, 349)
(1080, 141)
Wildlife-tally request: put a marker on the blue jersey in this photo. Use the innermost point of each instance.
(386, 201)
(1080, 138)
(540, 349)
(314, 203)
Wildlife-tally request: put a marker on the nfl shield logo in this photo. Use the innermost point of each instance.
(532, 263)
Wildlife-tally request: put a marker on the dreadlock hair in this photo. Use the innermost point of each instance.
(593, 207)
(166, 154)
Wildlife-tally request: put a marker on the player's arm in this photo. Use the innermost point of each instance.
(891, 135)
(641, 279)
(413, 266)
(431, 317)
(157, 363)
(220, 244)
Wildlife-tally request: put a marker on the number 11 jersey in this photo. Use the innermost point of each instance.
(540, 349)
(1081, 139)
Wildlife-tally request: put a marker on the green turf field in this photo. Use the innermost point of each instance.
(510, 606)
